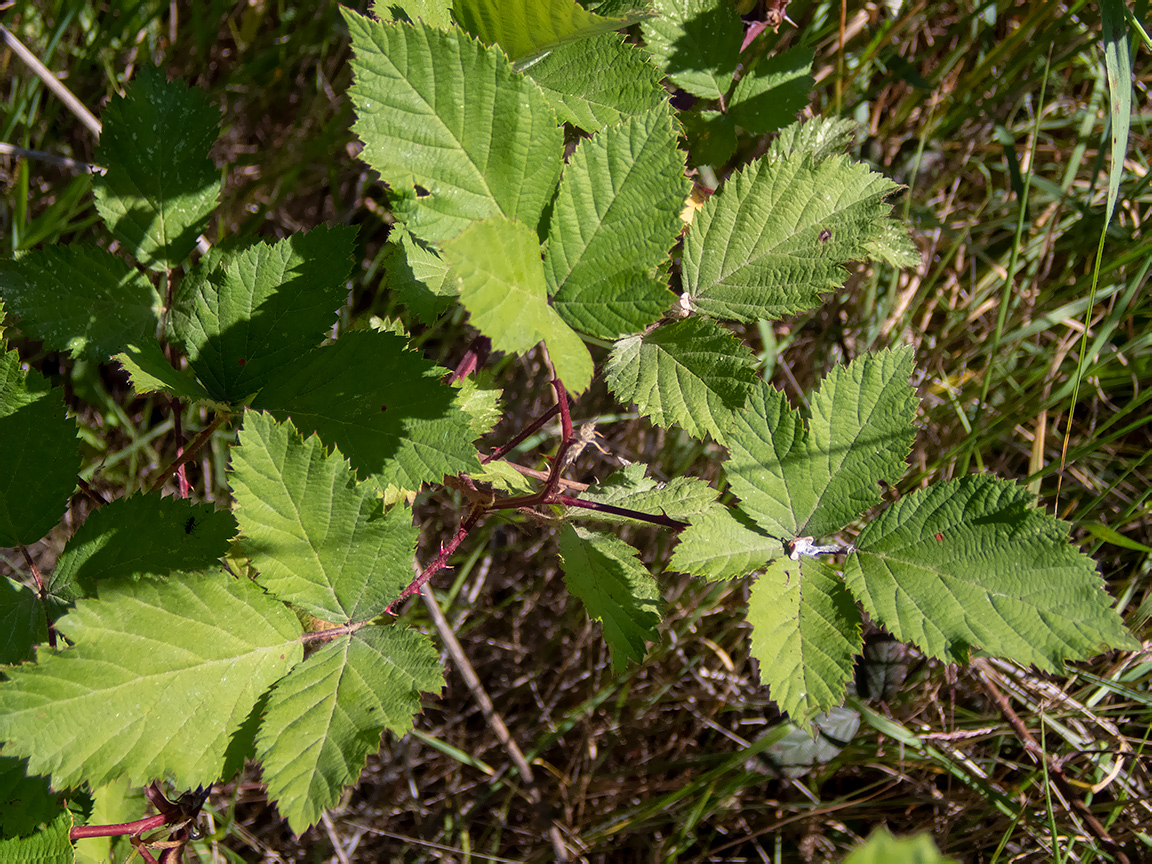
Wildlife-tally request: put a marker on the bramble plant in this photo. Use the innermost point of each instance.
(174, 640)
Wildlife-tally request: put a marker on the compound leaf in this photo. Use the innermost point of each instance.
(778, 233)
(972, 562)
(161, 675)
(598, 82)
(697, 42)
(327, 715)
(692, 372)
(80, 299)
(795, 481)
(311, 530)
(528, 28)
(160, 186)
(604, 572)
(144, 535)
(438, 110)
(240, 323)
(805, 633)
(617, 214)
(501, 280)
(381, 404)
(38, 454)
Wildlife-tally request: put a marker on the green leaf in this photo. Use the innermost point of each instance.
(771, 93)
(805, 633)
(267, 305)
(22, 623)
(697, 43)
(144, 535)
(437, 13)
(972, 562)
(604, 572)
(795, 481)
(817, 138)
(311, 530)
(50, 846)
(501, 280)
(528, 28)
(150, 372)
(381, 404)
(419, 276)
(679, 498)
(723, 544)
(160, 186)
(894, 246)
(26, 803)
(692, 372)
(440, 111)
(504, 477)
(480, 403)
(38, 454)
(598, 82)
(711, 137)
(326, 717)
(816, 743)
(79, 299)
(161, 675)
(883, 848)
(778, 234)
(617, 214)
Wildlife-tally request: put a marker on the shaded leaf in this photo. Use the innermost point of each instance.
(528, 28)
(697, 43)
(150, 372)
(772, 92)
(22, 623)
(160, 186)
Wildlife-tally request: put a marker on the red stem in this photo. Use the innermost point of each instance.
(440, 560)
(191, 451)
(662, 520)
(137, 827)
(499, 452)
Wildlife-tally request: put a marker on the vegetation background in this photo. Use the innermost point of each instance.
(995, 117)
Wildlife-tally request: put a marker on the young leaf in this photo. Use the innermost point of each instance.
(679, 498)
(38, 454)
(795, 481)
(311, 530)
(603, 571)
(972, 562)
(440, 111)
(697, 42)
(160, 186)
(161, 675)
(22, 622)
(80, 299)
(326, 716)
(692, 372)
(501, 280)
(805, 633)
(778, 233)
(528, 28)
(144, 535)
(397, 422)
(150, 372)
(616, 216)
(723, 544)
(773, 91)
(267, 305)
(598, 82)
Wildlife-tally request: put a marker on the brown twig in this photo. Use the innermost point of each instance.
(191, 451)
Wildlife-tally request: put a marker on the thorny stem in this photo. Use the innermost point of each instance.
(138, 827)
(547, 495)
(177, 815)
(473, 358)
